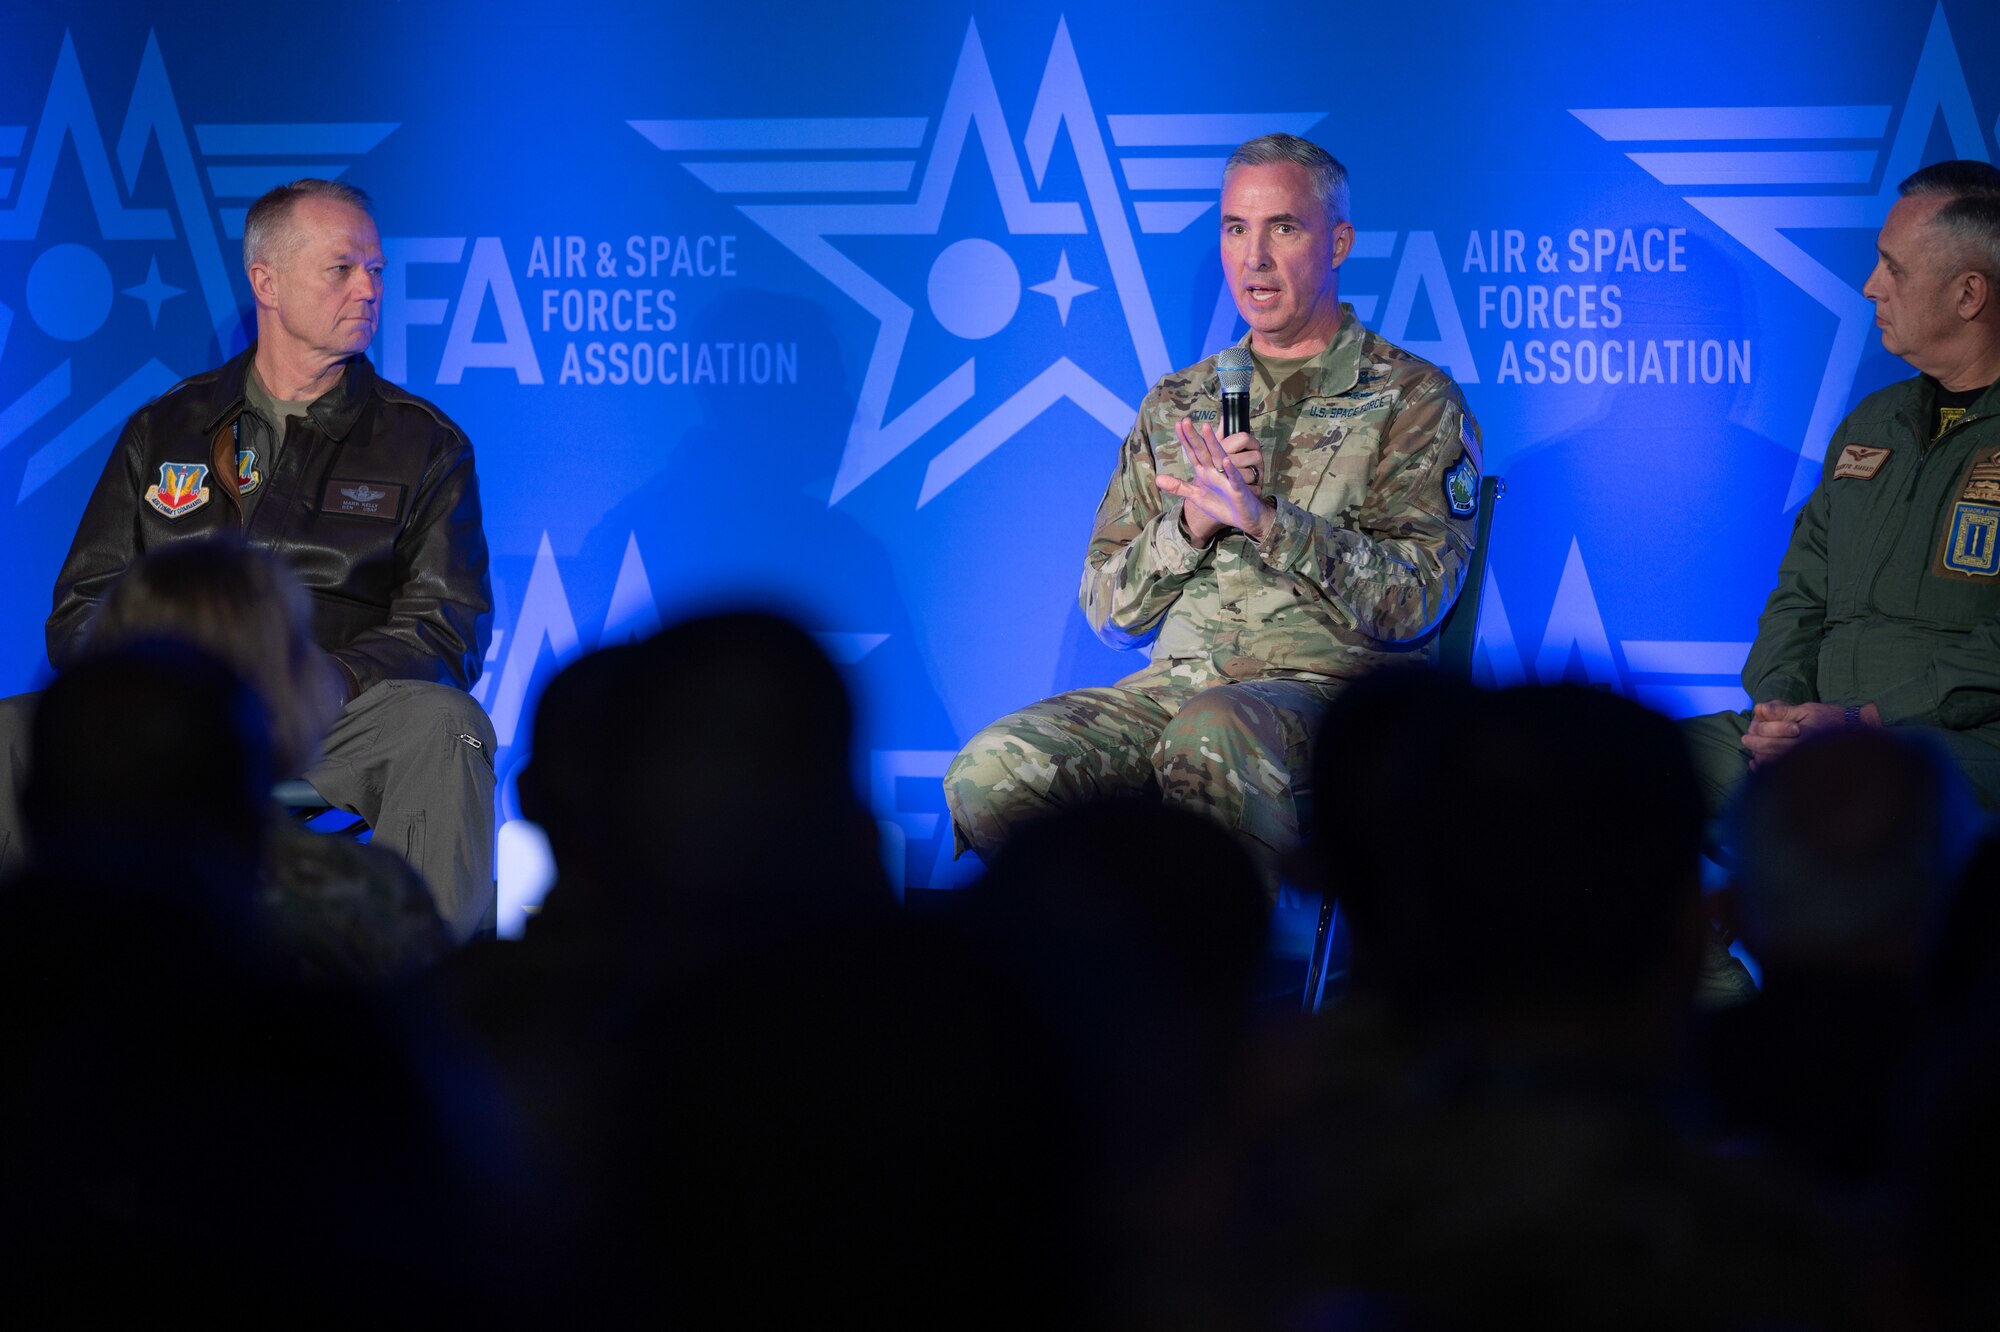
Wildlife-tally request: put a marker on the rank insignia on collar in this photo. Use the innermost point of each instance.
(180, 491)
(1461, 488)
(248, 478)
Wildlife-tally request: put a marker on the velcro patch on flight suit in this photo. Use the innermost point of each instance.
(1982, 480)
(1971, 548)
(1859, 462)
(1470, 439)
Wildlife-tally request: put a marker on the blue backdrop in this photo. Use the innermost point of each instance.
(848, 314)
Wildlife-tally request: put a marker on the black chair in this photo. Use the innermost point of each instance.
(302, 802)
(1455, 641)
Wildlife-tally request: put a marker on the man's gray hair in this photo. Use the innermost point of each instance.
(1323, 169)
(1969, 220)
(268, 223)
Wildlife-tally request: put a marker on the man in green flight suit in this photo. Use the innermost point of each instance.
(1887, 609)
(1266, 566)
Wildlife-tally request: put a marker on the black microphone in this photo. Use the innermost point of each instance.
(1233, 368)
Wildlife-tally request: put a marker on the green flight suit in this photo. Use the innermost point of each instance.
(1890, 591)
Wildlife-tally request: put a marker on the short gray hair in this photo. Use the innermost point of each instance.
(269, 219)
(1323, 169)
(1969, 220)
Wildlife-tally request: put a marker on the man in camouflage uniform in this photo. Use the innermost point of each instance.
(1267, 567)
(1887, 609)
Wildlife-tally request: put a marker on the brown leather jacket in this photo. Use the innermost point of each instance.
(374, 505)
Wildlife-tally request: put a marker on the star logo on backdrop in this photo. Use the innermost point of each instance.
(1062, 288)
(974, 289)
(153, 291)
(1760, 219)
(74, 333)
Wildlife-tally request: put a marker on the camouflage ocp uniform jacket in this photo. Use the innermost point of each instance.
(1374, 463)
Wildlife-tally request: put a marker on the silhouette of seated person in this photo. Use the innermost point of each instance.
(1948, 1160)
(1494, 1132)
(722, 1035)
(182, 1124)
(149, 764)
(1138, 930)
(1849, 848)
(701, 777)
(340, 909)
(697, 795)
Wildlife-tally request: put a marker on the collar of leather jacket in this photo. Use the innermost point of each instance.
(334, 411)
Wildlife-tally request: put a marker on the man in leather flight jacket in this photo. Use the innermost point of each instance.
(369, 495)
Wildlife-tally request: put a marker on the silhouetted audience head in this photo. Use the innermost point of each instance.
(577, 784)
(341, 911)
(1524, 850)
(1847, 850)
(716, 754)
(145, 758)
(245, 607)
(1565, 846)
(1164, 898)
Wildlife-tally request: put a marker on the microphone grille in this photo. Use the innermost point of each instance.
(1233, 368)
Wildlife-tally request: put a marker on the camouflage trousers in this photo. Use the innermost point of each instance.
(1238, 752)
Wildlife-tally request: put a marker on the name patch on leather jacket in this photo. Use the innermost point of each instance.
(1859, 462)
(363, 499)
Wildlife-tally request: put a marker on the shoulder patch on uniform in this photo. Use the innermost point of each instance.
(1469, 437)
(1461, 487)
(1971, 542)
(180, 491)
(1859, 462)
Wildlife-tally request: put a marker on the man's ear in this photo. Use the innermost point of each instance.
(1343, 242)
(1975, 295)
(263, 283)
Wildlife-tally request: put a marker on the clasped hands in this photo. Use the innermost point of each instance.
(1775, 727)
(1225, 491)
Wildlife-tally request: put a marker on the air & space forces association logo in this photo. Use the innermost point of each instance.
(83, 342)
(1810, 168)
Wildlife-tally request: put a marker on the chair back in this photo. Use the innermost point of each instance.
(1458, 636)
